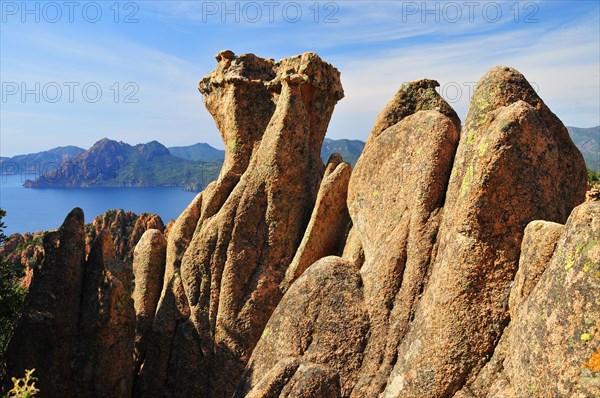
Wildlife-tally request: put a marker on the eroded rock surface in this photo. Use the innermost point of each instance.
(550, 347)
(555, 335)
(329, 222)
(321, 323)
(172, 307)
(539, 241)
(515, 163)
(395, 198)
(126, 229)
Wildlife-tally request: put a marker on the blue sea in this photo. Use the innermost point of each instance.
(30, 210)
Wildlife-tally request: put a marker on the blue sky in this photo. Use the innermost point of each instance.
(167, 47)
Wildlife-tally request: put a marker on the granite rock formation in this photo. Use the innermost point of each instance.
(328, 227)
(126, 229)
(550, 347)
(439, 267)
(515, 163)
(46, 336)
(440, 223)
(25, 252)
(103, 365)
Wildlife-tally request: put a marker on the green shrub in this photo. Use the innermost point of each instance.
(12, 296)
(24, 387)
(593, 177)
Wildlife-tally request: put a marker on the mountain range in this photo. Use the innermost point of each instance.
(199, 152)
(54, 155)
(588, 142)
(349, 149)
(115, 163)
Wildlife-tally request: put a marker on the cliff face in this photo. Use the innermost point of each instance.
(425, 272)
(77, 328)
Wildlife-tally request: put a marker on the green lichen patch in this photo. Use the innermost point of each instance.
(585, 337)
(467, 180)
(265, 332)
(569, 263)
(483, 147)
(471, 138)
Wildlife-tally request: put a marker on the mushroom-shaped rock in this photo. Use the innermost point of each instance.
(273, 118)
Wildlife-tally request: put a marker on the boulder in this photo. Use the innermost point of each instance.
(314, 340)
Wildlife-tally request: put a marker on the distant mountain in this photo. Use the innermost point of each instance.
(199, 152)
(111, 163)
(40, 160)
(588, 142)
(349, 149)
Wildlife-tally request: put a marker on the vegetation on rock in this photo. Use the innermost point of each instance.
(24, 387)
(12, 295)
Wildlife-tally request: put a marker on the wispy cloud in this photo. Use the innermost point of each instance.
(169, 107)
(562, 63)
